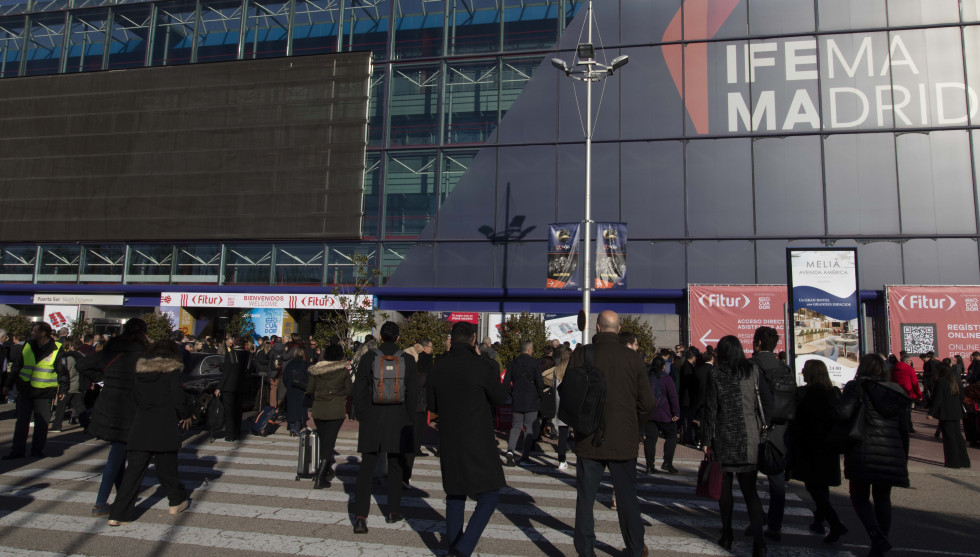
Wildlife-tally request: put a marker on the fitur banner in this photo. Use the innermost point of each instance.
(940, 319)
(825, 308)
(563, 269)
(715, 311)
(610, 255)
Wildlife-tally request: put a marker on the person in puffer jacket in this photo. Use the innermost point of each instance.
(880, 461)
(330, 384)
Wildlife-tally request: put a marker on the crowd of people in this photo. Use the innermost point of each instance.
(717, 400)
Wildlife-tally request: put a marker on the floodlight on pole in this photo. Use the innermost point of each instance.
(587, 69)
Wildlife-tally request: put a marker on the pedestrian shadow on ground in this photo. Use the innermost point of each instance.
(520, 509)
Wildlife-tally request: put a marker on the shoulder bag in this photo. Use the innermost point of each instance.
(772, 461)
(850, 433)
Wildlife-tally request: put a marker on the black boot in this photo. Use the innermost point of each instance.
(759, 548)
(321, 479)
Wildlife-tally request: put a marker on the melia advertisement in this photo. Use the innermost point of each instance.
(825, 310)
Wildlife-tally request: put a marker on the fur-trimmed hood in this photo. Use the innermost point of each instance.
(158, 365)
(321, 368)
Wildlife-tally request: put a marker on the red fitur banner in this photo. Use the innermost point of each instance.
(717, 311)
(940, 319)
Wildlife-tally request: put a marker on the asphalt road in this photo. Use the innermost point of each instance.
(246, 502)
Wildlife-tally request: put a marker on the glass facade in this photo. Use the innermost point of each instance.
(728, 137)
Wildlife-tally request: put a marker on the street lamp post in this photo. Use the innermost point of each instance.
(589, 70)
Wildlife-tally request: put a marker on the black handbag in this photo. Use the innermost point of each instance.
(771, 461)
(849, 434)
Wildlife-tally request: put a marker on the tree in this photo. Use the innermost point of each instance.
(159, 326)
(519, 328)
(424, 325)
(80, 327)
(643, 332)
(241, 325)
(16, 324)
(356, 312)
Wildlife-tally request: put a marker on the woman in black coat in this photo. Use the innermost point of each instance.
(880, 461)
(115, 367)
(296, 378)
(162, 408)
(947, 407)
(815, 462)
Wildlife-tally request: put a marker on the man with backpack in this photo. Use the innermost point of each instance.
(385, 378)
(525, 383)
(627, 402)
(782, 384)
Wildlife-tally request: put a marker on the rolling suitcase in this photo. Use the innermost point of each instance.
(309, 454)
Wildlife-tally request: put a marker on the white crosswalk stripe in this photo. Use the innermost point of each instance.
(245, 499)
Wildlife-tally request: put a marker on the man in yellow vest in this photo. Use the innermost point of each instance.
(37, 371)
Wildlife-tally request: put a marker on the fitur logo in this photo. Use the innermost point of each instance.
(722, 301)
(921, 301)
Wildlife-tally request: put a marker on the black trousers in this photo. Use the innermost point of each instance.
(667, 430)
(821, 500)
(137, 462)
(77, 402)
(588, 474)
(954, 445)
(750, 492)
(418, 426)
(27, 409)
(877, 517)
(233, 414)
(365, 478)
(327, 431)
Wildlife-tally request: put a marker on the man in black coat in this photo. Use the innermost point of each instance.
(38, 371)
(231, 387)
(525, 381)
(702, 374)
(462, 388)
(383, 427)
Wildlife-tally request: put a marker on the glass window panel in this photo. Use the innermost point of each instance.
(198, 263)
(640, 118)
(59, 263)
(519, 264)
(44, 44)
(414, 118)
(267, 26)
(454, 165)
(366, 27)
(527, 114)
(788, 186)
(667, 264)
(219, 31)
(854, 92)
(943, 261)
(737, 110)
(247, 263)
(847, 14)
(471, 101)
(777, 17)
(879, 263)
(971, 10)
(86, 41)
(376, 106)
(418, 28)
(862, 192)
(49, 5)
(150, 263)
(372, 197)
(714, 211)
(103, 263)
(936, 183)
(474, 26)
(299, 264)
(651, 172)
(731, 262)
(392, 256)
(13, 7)
(17, 263)
(174, 33)
(728, 19)
(922, 12)
(931, 84)
(463, 263)
(971, 47)
(645, 16)
(130, 28)
(90, 3)
(410, 193)
(531, 24)
(11, 46)
(315, 26)
(515, 76)
(343, 267)
(572, 8)
(470, 207)
(525, 192)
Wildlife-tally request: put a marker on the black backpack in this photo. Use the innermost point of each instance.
(582, 399)
(782, 383)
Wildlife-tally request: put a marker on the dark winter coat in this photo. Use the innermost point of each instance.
(296, 378)
(686, 386)
(629, 399)
(160, 404)
(233, 371)
(773, 370)
(946, 405)
(115, 366)
(882, 457)
(525, 381)
(814, 459)
(262, 361)
(730, 417)
(666, 407)
(383, 427)
(462, 388)
(329, 384)
(702, 374)
(423, 366)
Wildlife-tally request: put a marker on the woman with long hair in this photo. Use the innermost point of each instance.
(947, 407)
(732, 425)
(112, 416)
(816, 463)
(880, 462)
(296, 379)
(561, 364)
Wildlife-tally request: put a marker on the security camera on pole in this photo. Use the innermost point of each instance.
(587, 69)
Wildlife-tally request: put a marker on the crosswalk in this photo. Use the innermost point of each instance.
(246, 501)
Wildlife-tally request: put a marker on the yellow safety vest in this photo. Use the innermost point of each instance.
(41, 375)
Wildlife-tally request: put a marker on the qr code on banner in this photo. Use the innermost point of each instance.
(919, 338)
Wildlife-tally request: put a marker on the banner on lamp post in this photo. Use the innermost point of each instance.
(563, 271)
(610, 255)
(825, 310)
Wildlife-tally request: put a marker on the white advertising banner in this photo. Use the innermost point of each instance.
(60, 316)
(281, 301)
(80, 299)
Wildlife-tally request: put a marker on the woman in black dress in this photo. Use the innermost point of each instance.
(947, 407)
